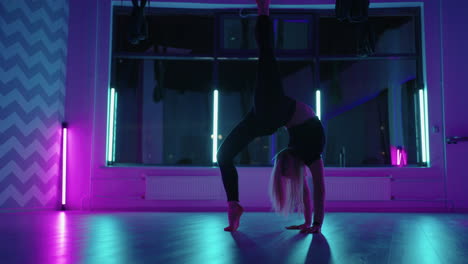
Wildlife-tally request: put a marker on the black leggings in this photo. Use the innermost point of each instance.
(271, 109)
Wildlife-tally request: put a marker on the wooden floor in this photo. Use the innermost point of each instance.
(198, 238)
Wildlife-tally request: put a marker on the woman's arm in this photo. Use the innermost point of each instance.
(316, 169)
(307, 208)
(307, 204)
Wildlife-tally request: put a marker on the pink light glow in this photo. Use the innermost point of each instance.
(61, 239)
(399, 156)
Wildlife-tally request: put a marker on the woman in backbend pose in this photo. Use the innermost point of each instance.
(272, 110)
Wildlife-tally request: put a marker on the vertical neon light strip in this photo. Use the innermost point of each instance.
(115, 126)
(64, 165)
(398, 157)
(318, 104)
(215, 125)
(423, 125)
(426, 129)
(110, 136)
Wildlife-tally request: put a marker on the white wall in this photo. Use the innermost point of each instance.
(33, 55)
(455, 94)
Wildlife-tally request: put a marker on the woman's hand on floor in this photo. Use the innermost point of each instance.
(312, 229)
(298, 227)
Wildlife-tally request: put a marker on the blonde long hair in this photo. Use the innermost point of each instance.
(287, 183)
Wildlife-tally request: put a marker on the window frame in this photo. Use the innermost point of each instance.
(220, 54)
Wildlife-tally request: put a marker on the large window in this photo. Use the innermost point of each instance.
(175, 96)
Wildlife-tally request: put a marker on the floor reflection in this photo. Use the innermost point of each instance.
(193, 238)
(61, 239)
(287, 247)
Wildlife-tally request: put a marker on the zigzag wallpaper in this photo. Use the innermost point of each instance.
(33, 56)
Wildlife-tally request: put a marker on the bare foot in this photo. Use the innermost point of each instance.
(235, 211)
(297, 227)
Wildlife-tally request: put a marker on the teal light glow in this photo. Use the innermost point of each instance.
(209, 246)
(426, 129)
(215, 125)
(318, 104)
(111, 126)
(423, 236)
(106, 241)
(297, 249)
(423, 126)
(115, 127)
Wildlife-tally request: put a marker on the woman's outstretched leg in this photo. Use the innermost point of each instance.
(264, 34)
(268, 74)
(270, 103)
(263, 7)
(237, 140)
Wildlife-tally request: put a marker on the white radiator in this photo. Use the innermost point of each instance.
(211, 188)
(357, 188)
(184, 188)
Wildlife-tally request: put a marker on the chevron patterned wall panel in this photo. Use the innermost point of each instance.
(33, 53)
